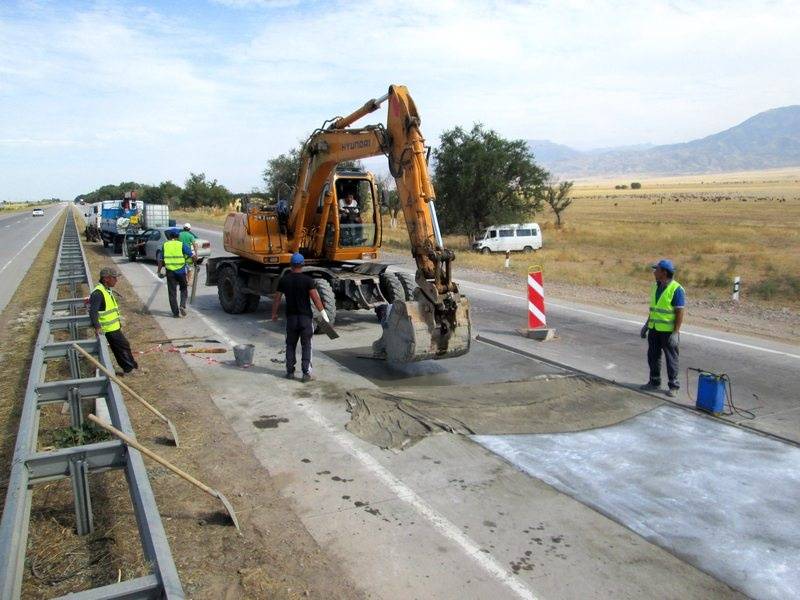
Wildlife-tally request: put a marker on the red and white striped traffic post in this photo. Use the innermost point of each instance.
(537, 317)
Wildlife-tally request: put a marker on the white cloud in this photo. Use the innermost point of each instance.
(146, 94)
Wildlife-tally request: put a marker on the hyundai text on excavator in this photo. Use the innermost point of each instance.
(423, 318)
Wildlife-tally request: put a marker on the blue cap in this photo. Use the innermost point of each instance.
(665, 264)
(297, 259)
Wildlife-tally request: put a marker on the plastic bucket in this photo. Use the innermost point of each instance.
(243, 354)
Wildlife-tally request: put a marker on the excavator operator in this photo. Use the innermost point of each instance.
(350, 220)
(349, 211)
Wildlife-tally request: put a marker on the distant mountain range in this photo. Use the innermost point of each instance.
(770, 139)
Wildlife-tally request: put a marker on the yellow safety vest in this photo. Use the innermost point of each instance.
(662, 313)
(173, 256)
(109, 318)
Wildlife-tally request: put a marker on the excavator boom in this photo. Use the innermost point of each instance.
(436, 323)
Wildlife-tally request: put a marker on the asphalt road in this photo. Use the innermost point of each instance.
(22, 236)
(444, 518)
(607, 343)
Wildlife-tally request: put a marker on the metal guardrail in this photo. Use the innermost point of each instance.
(31, 467)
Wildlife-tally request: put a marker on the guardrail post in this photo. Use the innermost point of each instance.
(75, 407)
(74, 365)
(79, 475)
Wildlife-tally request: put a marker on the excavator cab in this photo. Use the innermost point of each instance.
(356, 218)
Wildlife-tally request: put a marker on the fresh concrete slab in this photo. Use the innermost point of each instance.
(721, 498)
(444, 519)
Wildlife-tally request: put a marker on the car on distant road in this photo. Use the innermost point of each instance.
(147, 245)
(517, 237)
(37, 212)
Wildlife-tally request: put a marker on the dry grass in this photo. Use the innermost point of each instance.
(610, 237)
(21, 206)
(203, 216)
(713, 226)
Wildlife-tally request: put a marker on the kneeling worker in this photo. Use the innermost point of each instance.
(105, 317)
(300, 292)
(175, 256)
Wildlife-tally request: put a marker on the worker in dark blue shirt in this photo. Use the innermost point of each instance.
(662, 329)
(300, 291)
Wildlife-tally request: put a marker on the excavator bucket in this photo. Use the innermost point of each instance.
(411, 332)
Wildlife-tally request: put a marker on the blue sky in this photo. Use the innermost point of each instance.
(100, 92)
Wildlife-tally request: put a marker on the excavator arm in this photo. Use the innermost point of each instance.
(436, 324)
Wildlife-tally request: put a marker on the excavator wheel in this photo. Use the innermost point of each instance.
(408, 283)
(251, 305)
(232, 296)
(392, 288)
(328, 301)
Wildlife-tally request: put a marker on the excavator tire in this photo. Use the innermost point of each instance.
(232, 297)
(328, 301)
(408, 283)
(252, 303)
(392, 288)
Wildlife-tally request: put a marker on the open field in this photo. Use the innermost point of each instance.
(713, 227)
(10, 207)
(712, 232)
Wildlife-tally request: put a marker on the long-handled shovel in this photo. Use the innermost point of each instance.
(165, 463)
(122, 384)
(194, 282)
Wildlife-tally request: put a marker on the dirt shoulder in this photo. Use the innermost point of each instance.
(775, 323)
(274, 557)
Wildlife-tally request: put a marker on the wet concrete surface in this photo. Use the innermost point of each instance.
(482, 364)
(719, 497)
(418, 522)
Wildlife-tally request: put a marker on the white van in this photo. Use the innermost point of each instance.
(518, 237)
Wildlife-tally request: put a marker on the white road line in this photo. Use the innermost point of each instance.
(621, 320)
(5, 266)
(209, 323)
(401, 490)
(406, 494)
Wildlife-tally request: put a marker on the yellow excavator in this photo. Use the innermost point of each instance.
(334, 220)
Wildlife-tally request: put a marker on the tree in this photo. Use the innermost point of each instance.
(388, 191)
(170, 194)
(557, 197)
(280, 175)
(482, 179)
(150, 194)
(198, 192)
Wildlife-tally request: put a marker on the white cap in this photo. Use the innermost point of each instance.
(187, 226)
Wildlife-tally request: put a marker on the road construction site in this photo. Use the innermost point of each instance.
(523, 469)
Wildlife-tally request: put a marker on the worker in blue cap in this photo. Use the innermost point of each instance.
(300, 292)
(662, 329)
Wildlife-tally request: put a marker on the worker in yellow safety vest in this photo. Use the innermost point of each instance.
(105, 316)
(662, 329)
(175, 257)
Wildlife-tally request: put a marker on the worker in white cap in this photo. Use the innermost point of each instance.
(188, 237)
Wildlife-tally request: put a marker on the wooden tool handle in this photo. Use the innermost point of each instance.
(205, 350)
(149, 453)
(119, 382)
